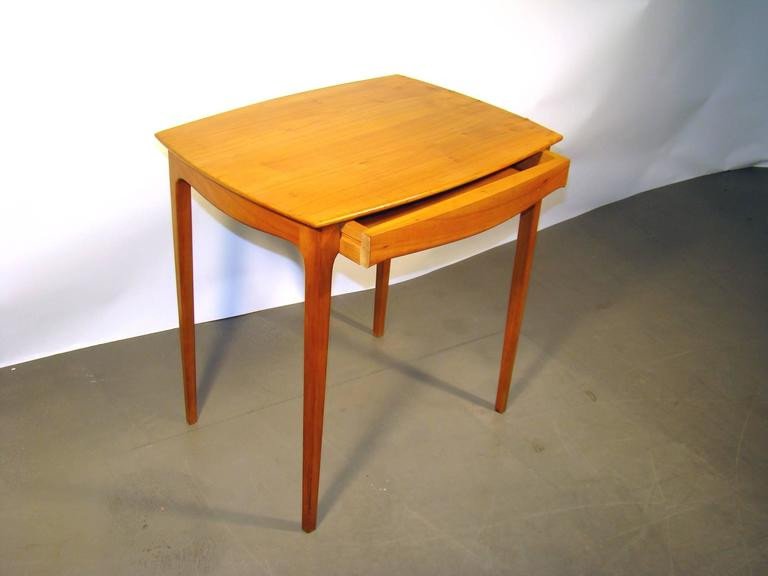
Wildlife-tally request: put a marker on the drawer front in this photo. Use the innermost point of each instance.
(456, 214)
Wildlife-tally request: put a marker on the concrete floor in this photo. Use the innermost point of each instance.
(635, 442)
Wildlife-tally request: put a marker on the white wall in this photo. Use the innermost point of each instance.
(646, 93)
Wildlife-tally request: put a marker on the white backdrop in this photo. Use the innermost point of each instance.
(645, 92)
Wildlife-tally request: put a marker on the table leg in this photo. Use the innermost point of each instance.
(319, 248)
(181, 208)
(526, 242)
(380, 297)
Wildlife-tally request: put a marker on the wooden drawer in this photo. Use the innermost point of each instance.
(455, 214)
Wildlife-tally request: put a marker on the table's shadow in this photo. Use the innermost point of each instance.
(386, 412)
(232, 258)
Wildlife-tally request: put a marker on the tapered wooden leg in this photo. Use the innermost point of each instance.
(319, 249)
(380, 297)
(181, 207)
(526, 242)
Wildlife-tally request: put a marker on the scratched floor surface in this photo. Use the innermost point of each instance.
(636, 441)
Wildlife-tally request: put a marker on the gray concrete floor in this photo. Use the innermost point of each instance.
(635, 440)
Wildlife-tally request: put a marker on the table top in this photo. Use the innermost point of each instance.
(334, 154)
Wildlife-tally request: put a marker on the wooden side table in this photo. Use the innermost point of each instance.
(372, 170)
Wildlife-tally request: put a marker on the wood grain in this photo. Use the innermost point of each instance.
(181, 211)
(319, 249)
(338, 153)
(521, 273)
(380, 297)
(454, 215)
(236, 206)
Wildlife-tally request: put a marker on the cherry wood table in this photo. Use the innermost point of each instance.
(372, 170)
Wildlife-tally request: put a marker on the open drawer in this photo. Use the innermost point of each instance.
(455, 214)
